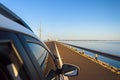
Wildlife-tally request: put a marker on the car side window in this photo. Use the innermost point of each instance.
(11, 65)
(43, 57)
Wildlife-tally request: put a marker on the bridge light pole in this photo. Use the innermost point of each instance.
(40, 32)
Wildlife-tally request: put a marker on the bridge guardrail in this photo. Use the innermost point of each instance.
(108, 55)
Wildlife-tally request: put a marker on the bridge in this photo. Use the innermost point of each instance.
(90, 68)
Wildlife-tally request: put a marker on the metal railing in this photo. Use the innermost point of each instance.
(108, 55)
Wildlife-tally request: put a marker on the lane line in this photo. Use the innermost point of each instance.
(60, 61)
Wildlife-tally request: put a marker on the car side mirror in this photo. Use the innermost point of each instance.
(69, 70)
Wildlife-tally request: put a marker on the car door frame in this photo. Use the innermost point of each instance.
(27, 64)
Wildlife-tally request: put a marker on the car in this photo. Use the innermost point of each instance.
(23, 56)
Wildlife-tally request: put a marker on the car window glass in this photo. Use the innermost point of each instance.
(10, 64)
(37, 50)
(43, 57)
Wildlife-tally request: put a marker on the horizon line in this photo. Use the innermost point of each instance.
(87, 40)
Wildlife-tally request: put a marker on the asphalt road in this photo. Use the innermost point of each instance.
(89, 70)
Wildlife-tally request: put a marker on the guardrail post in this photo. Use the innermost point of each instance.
(83, 51)
(96, 56)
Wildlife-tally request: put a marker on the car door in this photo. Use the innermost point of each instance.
(14, 60)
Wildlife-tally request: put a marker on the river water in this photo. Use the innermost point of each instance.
(112, 47)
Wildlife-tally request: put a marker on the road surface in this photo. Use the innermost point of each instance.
(89, 70)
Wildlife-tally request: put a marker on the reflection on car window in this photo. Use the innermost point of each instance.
(10, 64)
(37, 50)
(40, 53)
(44, 59)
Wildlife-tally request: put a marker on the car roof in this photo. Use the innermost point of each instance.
(9, 14)
(11, 22)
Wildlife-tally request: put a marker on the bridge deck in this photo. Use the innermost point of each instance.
(89, 70)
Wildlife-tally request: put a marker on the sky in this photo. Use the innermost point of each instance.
(70, 19)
